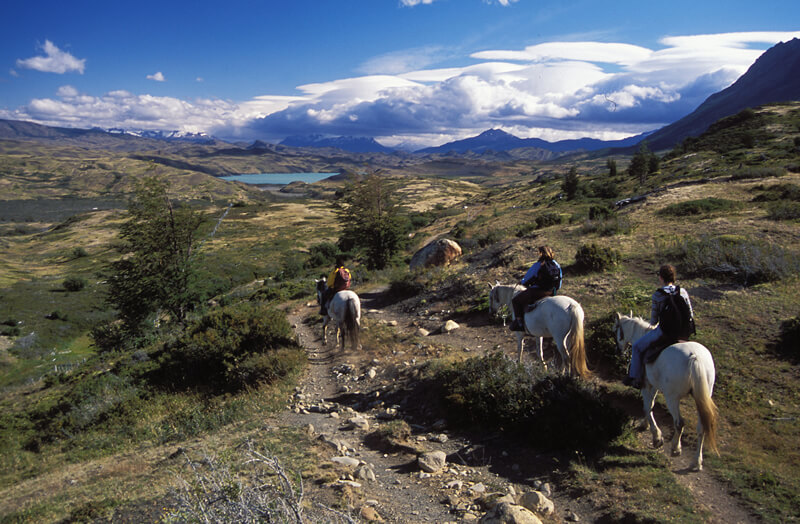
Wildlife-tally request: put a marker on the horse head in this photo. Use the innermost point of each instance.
(320, 284)
(494, 305)
(619, 335)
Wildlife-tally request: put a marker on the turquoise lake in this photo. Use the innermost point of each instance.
(279, 178)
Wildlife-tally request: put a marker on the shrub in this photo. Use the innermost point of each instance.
(492, 392)
(490, 237)
(79, 252)
(733, 258)
(109, 337)
(572, 416)
(757, 172)
(601, 339)
(699, 207)
(74, 283)
(557, 413)
(595, 258)
(322, 254)
(405, 286)
(778, 192)
(608, 227)
(784, 211)
(12, 331)
(230, 348)
(548, 219)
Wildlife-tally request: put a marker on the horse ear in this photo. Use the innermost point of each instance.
(631, 314)
(619, 316)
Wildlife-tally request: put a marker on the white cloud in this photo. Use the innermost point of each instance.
(54, 61)
(412, 3)
(158, 77)
(552, 90)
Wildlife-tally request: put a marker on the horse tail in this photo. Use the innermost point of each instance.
(706, 409)
(575, 342)
(351, 324)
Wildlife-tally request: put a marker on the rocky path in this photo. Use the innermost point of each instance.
(340, 402)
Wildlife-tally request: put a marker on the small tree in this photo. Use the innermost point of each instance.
(371, 221)
(570, 184)
(156, 269)
(611, 164)
(640, 163)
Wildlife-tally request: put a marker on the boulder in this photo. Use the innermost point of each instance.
(433, 461)
(438, 253)
(537, 502)
(505, 513)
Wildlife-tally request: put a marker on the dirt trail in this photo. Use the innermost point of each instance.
(400, 492)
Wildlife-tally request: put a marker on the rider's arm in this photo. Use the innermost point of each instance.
(531, 274)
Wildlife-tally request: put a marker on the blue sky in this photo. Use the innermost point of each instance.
(410, 73)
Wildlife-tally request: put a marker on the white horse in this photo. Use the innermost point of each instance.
(684, 368)
(559, 318)
(345, 311)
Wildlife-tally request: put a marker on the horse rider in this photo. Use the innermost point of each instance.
(542, 280)
(338, 280)
(656, 338)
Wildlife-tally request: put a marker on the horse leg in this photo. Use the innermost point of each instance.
(520, 346)
(325, 320)
(697, 465)
(540, 349)
(566, 366)
(648, 399)
(674, 407)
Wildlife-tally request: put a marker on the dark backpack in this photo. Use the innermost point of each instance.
(341, 280)
(676, 320)
(549, 275)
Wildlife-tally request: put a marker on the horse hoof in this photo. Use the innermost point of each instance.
(676, 453)
(658, 443)
(696, 467)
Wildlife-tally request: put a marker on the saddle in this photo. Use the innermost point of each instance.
(651, 355)
(531, 307)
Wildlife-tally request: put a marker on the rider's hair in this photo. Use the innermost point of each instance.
(667, 273)
(546, 253)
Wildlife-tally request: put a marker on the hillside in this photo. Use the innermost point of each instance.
(111, 434)
(774, 77)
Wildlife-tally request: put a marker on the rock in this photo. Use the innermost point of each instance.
(369, 514)
(454, 484)
(364, 472)
(505, 513)
(449, 326)
(547, 490)
(346, 461)
(491, 500)
(372, 373)
(572, 517)
(387, 414)
(422, 332)
(441, 438)
(477, 489)
(359, 422)
(537, 502)
(433, 461)
(309, 429)
(336, 445)
(350, 483)
(437, 253)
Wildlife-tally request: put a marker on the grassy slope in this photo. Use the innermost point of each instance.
(756, 391)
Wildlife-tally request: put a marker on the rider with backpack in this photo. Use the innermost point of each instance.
(338, 280)
(542, 280)
(671, 309)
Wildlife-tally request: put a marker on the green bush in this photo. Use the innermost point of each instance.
(571, 415)
(74, 283)
(110, 336)
(322, 254)
(79, 252)
(596, 258)
(757, 172)
(699, 207)
(607, 227)
(784, 211)
(491, 392)
(734, 258)
(405, 286)
(220, 351)
(548, 219)
(557, 413)
(601, 339)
